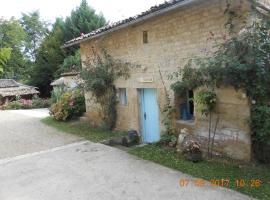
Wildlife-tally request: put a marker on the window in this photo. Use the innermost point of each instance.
(145, 37)
(185, 106)
(122, 96)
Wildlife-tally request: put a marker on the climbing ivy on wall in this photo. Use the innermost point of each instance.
(168, 110)
(99, 76)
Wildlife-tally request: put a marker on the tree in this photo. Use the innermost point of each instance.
(11, 33)
(4, 56)
(72, 62)
(82, 20)
(12, 38)
(49, 57)
(51, 60)
(17, 67)
(36, 30)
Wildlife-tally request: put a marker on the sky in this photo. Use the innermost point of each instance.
(113, 10)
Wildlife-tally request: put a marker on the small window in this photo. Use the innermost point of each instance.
(185, 106)
(145, 37)
(122, 96)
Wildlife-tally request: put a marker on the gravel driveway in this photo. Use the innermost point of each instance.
(42, 164)
(21, 132)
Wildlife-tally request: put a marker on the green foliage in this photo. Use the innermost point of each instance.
(180, 87)
(4, 57)
(168, 110)
(17, 67)
(40, 103)
(72, 62)
(49, 57)
(260, 119)
(51, 60)
(82, 20)
(36, 30)
(57, 93)
(99, 77)
(15, 105)
(168, 140)
(191, 78)
(71, 104)
(36, 57)
(206, 101)
(260, 124)
(12, 36)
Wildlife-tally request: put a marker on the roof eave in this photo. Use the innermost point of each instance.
(133, 22)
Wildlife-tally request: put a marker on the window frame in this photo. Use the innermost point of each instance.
(145, 37)
(122, 96)
(188, 102)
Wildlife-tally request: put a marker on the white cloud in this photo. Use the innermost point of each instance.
(113, 10)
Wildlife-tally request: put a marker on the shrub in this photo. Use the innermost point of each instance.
(260, 125)
(57, 93)
(40, 103)
(15, 105)
(168, 140)
(71, 104)
(36, 102)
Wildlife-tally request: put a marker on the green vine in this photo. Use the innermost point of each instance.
(206, 101)
(99, 77)
(168, 111)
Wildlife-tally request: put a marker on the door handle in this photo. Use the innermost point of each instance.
(144, 116)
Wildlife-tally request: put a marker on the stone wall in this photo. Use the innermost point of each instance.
(173, 38)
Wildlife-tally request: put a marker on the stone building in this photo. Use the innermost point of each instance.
(160, 41)
(67, 81)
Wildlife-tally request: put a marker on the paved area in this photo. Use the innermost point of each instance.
(21, 132)
(85, 171)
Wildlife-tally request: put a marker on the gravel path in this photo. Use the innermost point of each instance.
(21, 132)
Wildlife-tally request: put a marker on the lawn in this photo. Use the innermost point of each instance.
(82, 129)
(213, 170)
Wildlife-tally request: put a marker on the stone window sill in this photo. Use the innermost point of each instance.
(186, 122)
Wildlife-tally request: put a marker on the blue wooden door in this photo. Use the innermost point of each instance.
(149, 115)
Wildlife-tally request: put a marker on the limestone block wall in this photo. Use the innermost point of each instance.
(233, 133)
(173, 38)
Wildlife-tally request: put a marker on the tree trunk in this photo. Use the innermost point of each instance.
(209, 134)
(213, 139)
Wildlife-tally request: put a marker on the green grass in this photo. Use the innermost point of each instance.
(82, 129)
(211, 170)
